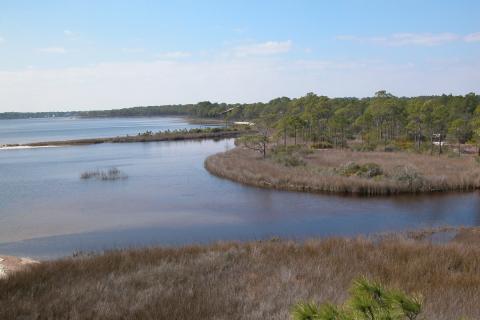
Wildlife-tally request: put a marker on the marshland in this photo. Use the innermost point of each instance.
(154, 229)
(250, 280)
(346, 171)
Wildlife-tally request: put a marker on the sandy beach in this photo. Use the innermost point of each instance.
(9, 264)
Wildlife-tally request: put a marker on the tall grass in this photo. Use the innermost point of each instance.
(254, 280)
(401, 172)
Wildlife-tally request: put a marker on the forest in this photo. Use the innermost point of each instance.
(420, 123)
(424, 122)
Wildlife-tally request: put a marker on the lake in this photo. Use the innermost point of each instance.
(47, 211)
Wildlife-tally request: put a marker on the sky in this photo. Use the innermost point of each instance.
(84, 55)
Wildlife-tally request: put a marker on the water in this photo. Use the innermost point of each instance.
(54, 129)
(47, 211)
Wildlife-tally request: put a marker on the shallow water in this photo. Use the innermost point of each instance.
(46, 210)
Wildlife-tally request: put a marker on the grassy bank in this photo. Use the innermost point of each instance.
(255, 280)
(177, 135)
(345, 171)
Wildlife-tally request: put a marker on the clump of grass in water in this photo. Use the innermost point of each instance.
(104, 175)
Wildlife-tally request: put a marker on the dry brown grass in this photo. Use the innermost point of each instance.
(193, 134)
(256, 280)
(438, 173)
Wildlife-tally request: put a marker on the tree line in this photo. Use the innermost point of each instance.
(422, 123)
(425, 122)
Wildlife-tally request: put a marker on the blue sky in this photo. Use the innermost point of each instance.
(70, 55)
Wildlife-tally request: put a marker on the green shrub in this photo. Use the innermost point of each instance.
(349, 169)
(409, 175)
(391, 148)
(288, 160)
(403, 144)
(287, 149)
(321, 145)
(368, 300)
(364, 147)
(368, 170)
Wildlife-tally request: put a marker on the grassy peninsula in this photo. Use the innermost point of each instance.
(253, 280)
(175, 135)
(300, 168)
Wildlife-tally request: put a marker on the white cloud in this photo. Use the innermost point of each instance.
(133, 50)
(68, 33)
(263, 49)
(114, 85)
(55, 50)
(240, 30)
(2, 40)
(173, 55)
(418, 39)
(472, 37)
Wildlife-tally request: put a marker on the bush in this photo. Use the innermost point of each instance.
(404, 145)
(288, 160)
(348, 169)
(286, 149)
(363, 147)
(368, 170)
(369, 300)
(321, 145)
(391, 148)
(409, 175)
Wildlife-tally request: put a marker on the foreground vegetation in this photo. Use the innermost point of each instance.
(369, 300)
(254, 280)
(175, 135)
(346, 171)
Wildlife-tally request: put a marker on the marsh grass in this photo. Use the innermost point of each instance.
(395, 172)
(254, 280)
(105, 175)
(149, 136)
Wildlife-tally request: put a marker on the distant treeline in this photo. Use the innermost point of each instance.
(29, 115)
(381, 119)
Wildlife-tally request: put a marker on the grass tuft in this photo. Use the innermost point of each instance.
(104, 175)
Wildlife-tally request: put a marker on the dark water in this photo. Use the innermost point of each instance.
(54, 129)
(46, 210)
